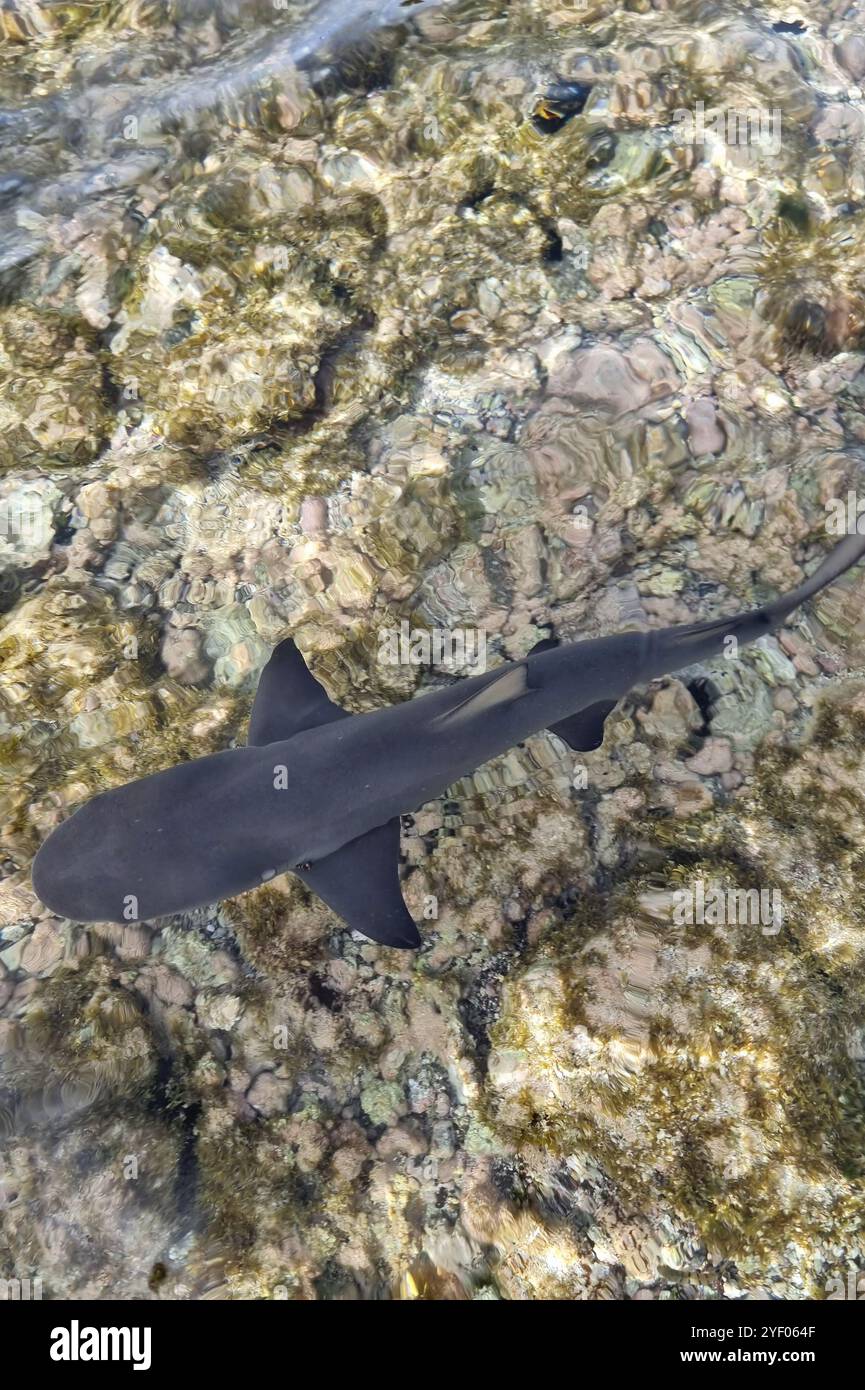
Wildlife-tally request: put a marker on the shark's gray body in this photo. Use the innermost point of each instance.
(320, 792)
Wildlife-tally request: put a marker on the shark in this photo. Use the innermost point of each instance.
(320, 792)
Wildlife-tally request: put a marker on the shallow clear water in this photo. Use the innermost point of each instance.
(521, 318)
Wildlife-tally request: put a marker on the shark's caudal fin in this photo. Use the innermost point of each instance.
(673, 648)
(583, 731)
(360, 881)
(841, 557)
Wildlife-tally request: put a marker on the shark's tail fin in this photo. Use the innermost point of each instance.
(676, 647)
(842, 557)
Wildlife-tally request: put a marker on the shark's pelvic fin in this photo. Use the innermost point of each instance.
(583, 731)
(289, 698)
(512, 685)
(361, 883)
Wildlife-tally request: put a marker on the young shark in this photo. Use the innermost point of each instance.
(320, 792)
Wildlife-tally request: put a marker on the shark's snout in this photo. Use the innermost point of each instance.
(57, 881)
(71, 873)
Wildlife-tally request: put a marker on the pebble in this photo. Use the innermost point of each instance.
(850, 53)
(672, 716)
(784, 699)
(714, 757)
(183, 655)
(218, 1011)
(43, 950)
(268, 1094)
(705, 432)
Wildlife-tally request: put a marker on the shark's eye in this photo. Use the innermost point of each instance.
(304, 867)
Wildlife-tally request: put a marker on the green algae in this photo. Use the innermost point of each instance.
(84, 1025)
(249, 1185)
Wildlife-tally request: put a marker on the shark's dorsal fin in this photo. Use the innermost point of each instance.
(361, 883)
(583, 731)
(511, 685)
(288, 699)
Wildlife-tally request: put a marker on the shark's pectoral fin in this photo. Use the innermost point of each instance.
(360, 882)
(288, 698)
(512, 685)
(583, 731)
